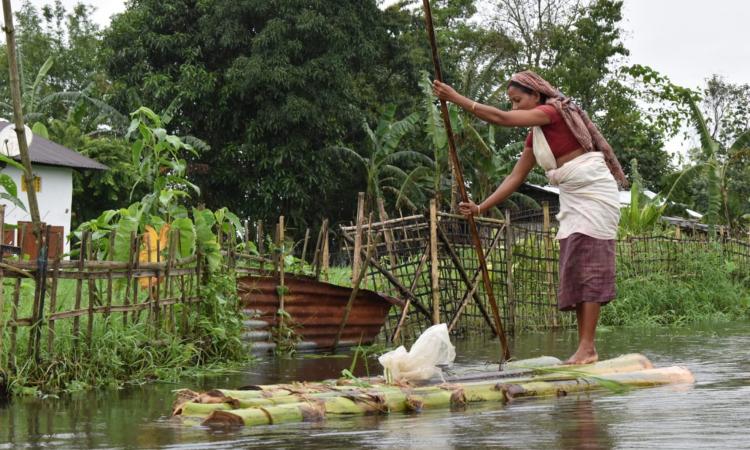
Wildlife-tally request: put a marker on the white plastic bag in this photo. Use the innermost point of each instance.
(432, 348)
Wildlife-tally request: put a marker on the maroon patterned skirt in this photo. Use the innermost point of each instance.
(587, 271)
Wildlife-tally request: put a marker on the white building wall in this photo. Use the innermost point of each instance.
(55, 198)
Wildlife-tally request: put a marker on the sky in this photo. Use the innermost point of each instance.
(687, 40)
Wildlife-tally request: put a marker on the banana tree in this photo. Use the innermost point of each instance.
(485, 162)
(713, 166)
(384, 163)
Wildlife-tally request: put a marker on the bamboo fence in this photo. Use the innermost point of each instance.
(431, 264)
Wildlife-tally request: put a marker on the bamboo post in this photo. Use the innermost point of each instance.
(304, 245)
(355, 286)
(317, 258)
(168, 285)
(91, 289)
(405, 310)
(52, 306)
(110, 257)
(261, 245)
(128, 276)
(15, 93)
(434, 264)
(154, 288)
(473, 284)
(470, 283)
(326, 255)
(246, 236)
(548, 247)
(677, 232)
(14, 318)
(79, 286)
(280, 245)
(509, 269)
(387, 234)
(458, 173)
(357, 259)
(135, 316)
(395, 282)
(2, 287)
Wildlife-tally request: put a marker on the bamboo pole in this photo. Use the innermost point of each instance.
(394, 281)
(52, 306)
(261, 243)
(110, 257)
(387, 234)
(92, 291)
(128, 275)
(15, 93)
(79, 285)
(511, 293)
(355, 288)
(458, 173)
(434, 264)
(14, 318)
(304, 245)
(471, 284)
(2, 286)
(326, 256)
(405, 310)
(318, 251)
(280, 245)
(548, 247)
(357, 258)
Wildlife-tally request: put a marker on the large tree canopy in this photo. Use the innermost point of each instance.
(270, 85)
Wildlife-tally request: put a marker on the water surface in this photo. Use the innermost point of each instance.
(713, 413)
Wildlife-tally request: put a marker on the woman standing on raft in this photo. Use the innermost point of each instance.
(577, 159)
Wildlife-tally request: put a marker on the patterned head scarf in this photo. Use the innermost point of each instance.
(584, 130)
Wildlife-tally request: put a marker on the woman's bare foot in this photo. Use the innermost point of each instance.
(582, 356)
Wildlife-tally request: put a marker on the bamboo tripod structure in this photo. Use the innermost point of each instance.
(458, 173)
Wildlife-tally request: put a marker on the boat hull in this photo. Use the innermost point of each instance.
(317, 309)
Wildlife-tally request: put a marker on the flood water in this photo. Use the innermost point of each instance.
(713, 413)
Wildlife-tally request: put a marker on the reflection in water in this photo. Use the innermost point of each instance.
(579, 425)
(666, 417)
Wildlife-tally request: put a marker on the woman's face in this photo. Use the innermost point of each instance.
(521, 100)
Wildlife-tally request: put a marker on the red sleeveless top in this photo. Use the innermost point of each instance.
(559, 137)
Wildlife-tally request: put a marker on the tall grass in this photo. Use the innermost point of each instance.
(700, 287)
(121, 354)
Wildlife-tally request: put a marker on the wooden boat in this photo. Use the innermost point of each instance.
(316, 308)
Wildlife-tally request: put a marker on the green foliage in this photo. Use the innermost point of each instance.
(270, 85)
(641, 216)
(701, 286)
(285, 334)
(383, 161)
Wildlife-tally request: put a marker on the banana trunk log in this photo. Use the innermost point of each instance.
(193, 404)
(389, 400)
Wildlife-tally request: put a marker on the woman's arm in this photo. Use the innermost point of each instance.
(509, 185)
(515, 118)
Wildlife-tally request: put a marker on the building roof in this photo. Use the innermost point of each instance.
(44, 151)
